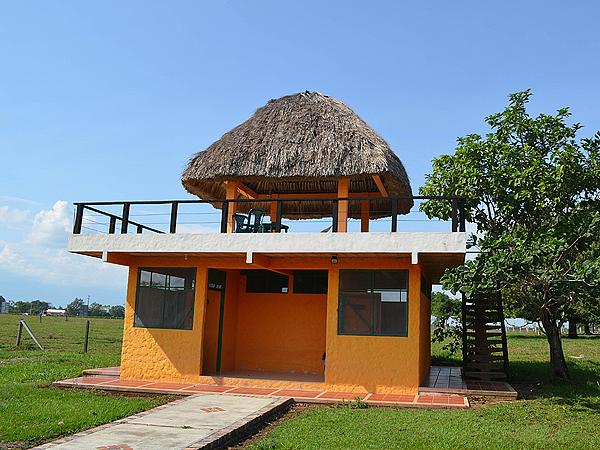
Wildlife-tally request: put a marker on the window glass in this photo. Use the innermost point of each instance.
(159, 280)
(310, 282)
(355, 280)
(145, 278)
(266, 282)
(357, 312)
(373, 302)
(165, 298)
(149, 307)
(390, 279)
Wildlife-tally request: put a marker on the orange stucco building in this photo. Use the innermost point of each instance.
(263, 300)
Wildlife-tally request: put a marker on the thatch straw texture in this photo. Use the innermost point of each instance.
(300, 144)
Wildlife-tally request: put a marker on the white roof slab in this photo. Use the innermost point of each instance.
(289, 243)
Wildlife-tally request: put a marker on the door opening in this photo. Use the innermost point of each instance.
(213, 323)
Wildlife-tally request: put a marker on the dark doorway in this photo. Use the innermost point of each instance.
(212, 342)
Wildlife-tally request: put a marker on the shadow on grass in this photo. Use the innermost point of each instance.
(532, 379)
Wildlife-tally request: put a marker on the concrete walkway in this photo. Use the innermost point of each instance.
(199, 421)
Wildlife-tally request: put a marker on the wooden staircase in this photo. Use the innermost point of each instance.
(485, 354)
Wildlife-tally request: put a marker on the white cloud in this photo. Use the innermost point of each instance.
(51, 226)
(13, 216)
(43, 254)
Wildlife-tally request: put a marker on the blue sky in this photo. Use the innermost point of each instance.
(108, 100)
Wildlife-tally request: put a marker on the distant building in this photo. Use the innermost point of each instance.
(55, 312)
(3, 305)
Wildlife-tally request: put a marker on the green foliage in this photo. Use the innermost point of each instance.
(75, 307)
(33, 307)
(98, 310)
(117, 311)
(447, 324)
(533, 191)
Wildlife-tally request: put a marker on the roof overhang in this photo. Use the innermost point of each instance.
(434, 251)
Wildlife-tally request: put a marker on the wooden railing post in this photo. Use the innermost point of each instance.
(173, 225)
(125, 219)
(461, 215)
(334, 216)
(224, 216)
(140, 229)
(394, 214)
(278, 215)
(454, 215)
(112, 225)
(78, 219)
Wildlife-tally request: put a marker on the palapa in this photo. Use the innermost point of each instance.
(301, 144)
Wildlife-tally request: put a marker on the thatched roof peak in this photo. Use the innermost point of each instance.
(300, 143)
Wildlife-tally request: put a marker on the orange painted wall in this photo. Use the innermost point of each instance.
(375, 363)
(150, 354)
(280, 332)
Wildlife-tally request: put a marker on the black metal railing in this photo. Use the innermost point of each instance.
(118, 216)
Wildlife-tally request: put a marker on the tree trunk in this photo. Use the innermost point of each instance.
(558, 365)
(572, 329)
(586, 329)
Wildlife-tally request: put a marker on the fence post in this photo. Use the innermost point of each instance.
(19, 333)
(173, 225)
(87, 336)
(125, 220)
(78, 219)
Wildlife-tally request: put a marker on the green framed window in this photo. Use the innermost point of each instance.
(165, 298)
(373, 303)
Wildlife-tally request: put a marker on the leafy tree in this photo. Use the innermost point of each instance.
(98, 310)
(117, 311)
(533, 191)
(446, 327)
(33, 307)
(38, 306)
(75, 307)
(20, 307)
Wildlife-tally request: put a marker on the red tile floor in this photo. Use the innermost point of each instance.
(107, 379)
(449, 380)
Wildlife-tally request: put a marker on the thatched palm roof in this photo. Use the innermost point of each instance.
(300, 144)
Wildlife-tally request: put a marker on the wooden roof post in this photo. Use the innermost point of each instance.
(343, 188)
(231, 194)
(364, 215)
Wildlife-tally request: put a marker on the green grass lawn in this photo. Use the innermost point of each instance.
(32, 411)
(554, 416)
(561, 416)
